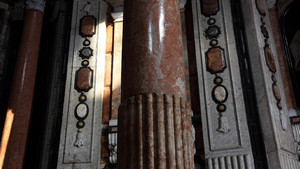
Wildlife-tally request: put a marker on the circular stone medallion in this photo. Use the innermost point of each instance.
(80, 124)
(81, 111)
(86, 42)
(219, 94)
(86, 52)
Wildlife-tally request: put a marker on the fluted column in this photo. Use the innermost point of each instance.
(154, 121)
(13, 143)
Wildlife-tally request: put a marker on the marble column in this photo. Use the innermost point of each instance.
(17, 122)
(154, 128)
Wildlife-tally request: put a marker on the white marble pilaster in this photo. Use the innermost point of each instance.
(275, 126)
(225, 135)
(81, 147)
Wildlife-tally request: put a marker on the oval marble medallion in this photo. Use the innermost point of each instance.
(276, 92)
(220, 94)
(82, 110)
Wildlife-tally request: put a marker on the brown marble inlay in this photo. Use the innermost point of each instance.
(270, 59)
(276, 92)
(215, 60)
(209, 7)
(260, 7)
(84, 79)
(87, 26)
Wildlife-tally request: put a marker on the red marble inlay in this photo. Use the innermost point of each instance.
(215, 60)
(270, 59)
(209, 7)
(87, 26)
(84, 79)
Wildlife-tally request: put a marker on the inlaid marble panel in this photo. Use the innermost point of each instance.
(225, 130)
(81, 122)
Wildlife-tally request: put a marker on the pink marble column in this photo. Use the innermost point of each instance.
(13, 143)
(154, 121)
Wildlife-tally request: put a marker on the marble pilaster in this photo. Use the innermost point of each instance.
(13, 144)
(275, 126)
(154, 121)
(226, 136)
(81, 127)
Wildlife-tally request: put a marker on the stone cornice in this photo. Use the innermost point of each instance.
(36, 4)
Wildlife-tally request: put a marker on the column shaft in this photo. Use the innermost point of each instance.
(154, 121)
(20, 102)
(152, 49)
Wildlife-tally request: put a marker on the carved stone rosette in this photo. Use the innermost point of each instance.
(36, 4)
(161, 127)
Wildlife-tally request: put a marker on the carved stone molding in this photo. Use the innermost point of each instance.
(36, 4)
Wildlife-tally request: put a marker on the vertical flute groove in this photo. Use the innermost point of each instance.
(242, 161)
(158, 130)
